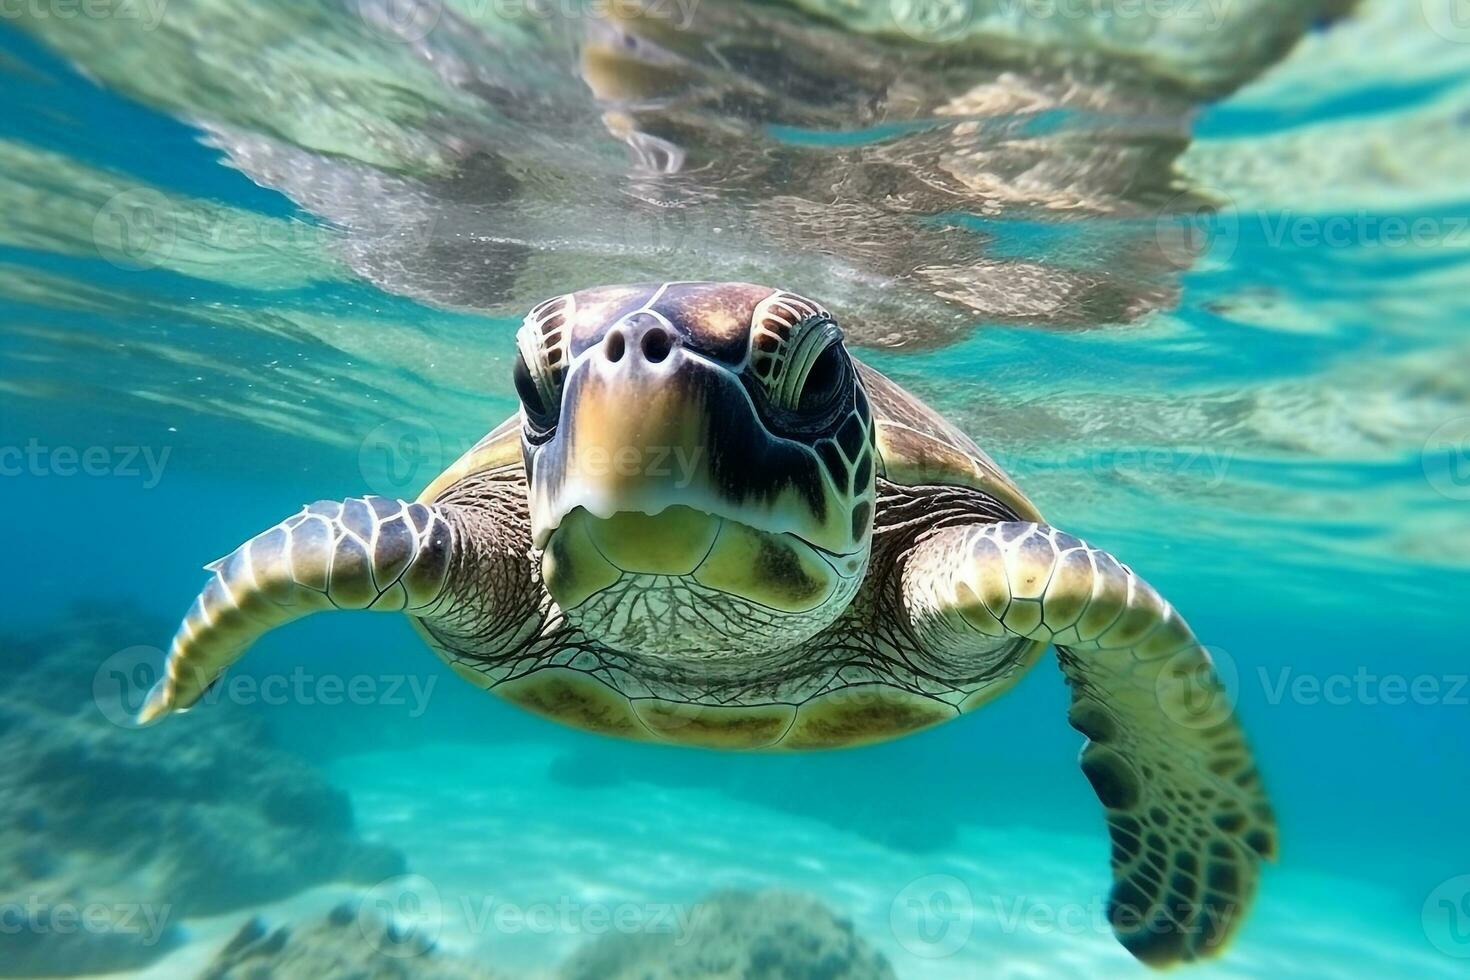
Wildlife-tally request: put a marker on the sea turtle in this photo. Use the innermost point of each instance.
(709, 524)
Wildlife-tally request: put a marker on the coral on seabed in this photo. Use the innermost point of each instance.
(349, 942)
(737, 935)
(730, 935)
(109, 836)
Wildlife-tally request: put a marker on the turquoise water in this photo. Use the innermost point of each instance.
(1201, 289)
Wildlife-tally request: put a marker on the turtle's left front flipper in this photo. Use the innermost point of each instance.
(1186, 812)
(361, 553)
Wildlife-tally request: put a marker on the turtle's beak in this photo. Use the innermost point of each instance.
(647, 425)
(634, 433)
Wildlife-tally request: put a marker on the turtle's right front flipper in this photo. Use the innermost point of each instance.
(1186, 811)
(362, 553)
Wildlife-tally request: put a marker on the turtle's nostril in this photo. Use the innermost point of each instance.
(613, 346)
(656, 344)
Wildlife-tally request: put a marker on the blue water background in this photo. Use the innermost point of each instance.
(1372, 791)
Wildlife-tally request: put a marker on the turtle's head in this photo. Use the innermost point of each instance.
(700, 459)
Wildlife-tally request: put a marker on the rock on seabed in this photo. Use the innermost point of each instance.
(110, 836)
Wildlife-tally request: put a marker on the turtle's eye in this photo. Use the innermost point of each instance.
(824, 381)
(541, 366)
(539, 413)
(808, 377)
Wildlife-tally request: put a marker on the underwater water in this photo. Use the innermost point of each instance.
(1197, 275)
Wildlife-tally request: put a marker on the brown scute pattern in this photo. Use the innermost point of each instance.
(362, 553)
(715, 317)
(1187, 815)
(577, 700)
(859, 715)
(754, 727)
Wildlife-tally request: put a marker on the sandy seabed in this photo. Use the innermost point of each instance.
(516, 870)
